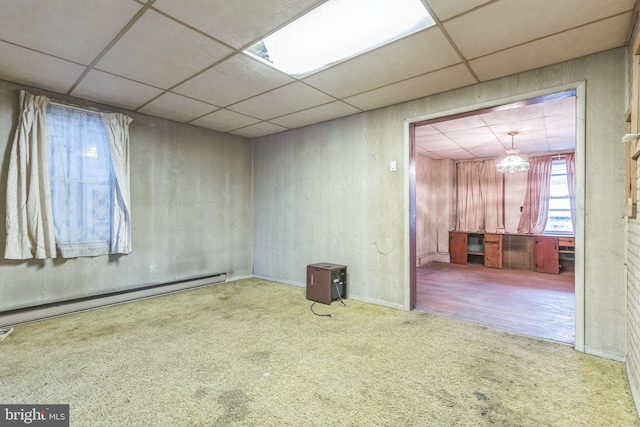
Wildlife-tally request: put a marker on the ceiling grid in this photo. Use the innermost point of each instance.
(183, 60)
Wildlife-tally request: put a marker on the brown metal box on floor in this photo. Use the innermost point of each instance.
(326, 282)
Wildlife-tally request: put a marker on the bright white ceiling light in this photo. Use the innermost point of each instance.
(512, 163)
(338, 30)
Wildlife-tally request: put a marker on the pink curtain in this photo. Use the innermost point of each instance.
(536, 200)
(480, 197)
(571, 183)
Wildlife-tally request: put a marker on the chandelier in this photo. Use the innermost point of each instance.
(512, 163)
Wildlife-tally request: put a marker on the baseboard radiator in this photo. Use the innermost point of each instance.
(40, 312)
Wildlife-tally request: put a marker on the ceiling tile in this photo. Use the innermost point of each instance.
(470, 122)
(415, 55)
(313, 115)
(457, 154)
(602, 35)
(561, 121)
(472, 137)
(425, 130)
(445, 9)
(538, 134)
(436, 142)
(258, 130)
(513, 114)
(538, 146)
(161, 52)
(236, 23)
(559, 142)
(177, 107)
(525, 129)
(507, 23)
(489, 151)
(31, 68)
(427, 154)
(562, 106)
(282, 101)
(417, 87)
(113, 90)
(232, 81)
(224, 121)
(81, 39)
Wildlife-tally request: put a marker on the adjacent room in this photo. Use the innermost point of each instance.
(172, 169)
(479, 202)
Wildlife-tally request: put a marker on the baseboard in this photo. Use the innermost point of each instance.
(375, 301)
(425, 259)
(236, 278)
(286, 282)
(604, 354)
(32, 314)
(349, 295)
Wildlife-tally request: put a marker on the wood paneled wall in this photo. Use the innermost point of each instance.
(435, 208)
(325, 192)
(191, 195)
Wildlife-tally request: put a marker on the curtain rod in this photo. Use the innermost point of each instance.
(72, 107)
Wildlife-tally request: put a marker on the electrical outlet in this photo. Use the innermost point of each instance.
(153, 269)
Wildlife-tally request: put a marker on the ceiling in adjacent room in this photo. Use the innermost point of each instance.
(183, 59)
(542, 126)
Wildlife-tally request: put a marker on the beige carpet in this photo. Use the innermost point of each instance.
(251, 353)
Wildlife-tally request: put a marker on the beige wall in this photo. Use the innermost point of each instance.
(435, 208)
(325, 193)
(191, 194)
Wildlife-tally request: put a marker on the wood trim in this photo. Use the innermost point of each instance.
(412, 217)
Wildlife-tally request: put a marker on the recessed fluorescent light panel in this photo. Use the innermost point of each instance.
(338, 30)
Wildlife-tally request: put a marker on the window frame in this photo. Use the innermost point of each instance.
(546, 231)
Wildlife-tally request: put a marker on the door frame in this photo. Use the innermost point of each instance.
(580, 150)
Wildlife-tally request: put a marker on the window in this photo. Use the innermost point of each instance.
(67, 183)
(81, 181)
(559, 219)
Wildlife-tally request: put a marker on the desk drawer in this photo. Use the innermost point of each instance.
(567, 241)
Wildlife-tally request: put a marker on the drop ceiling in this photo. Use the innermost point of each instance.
(541, 126)
(182, 59)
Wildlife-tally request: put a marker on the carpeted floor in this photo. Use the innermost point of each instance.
(251, 353)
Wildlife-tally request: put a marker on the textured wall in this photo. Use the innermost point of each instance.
(435, 208)
(325, 193)
(191, 193)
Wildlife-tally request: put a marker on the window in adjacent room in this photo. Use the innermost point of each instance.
(559, 219)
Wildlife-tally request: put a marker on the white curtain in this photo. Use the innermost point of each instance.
(480, 197)
(68, 183)
(571, 183)
(30, 232)
(117, 127)
(536, 200)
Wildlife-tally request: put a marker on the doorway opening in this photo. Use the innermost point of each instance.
(510, 295)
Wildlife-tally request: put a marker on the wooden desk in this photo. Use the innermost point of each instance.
(465, 247)
(541, 253)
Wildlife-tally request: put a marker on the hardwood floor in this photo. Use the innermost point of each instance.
(517, 301)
